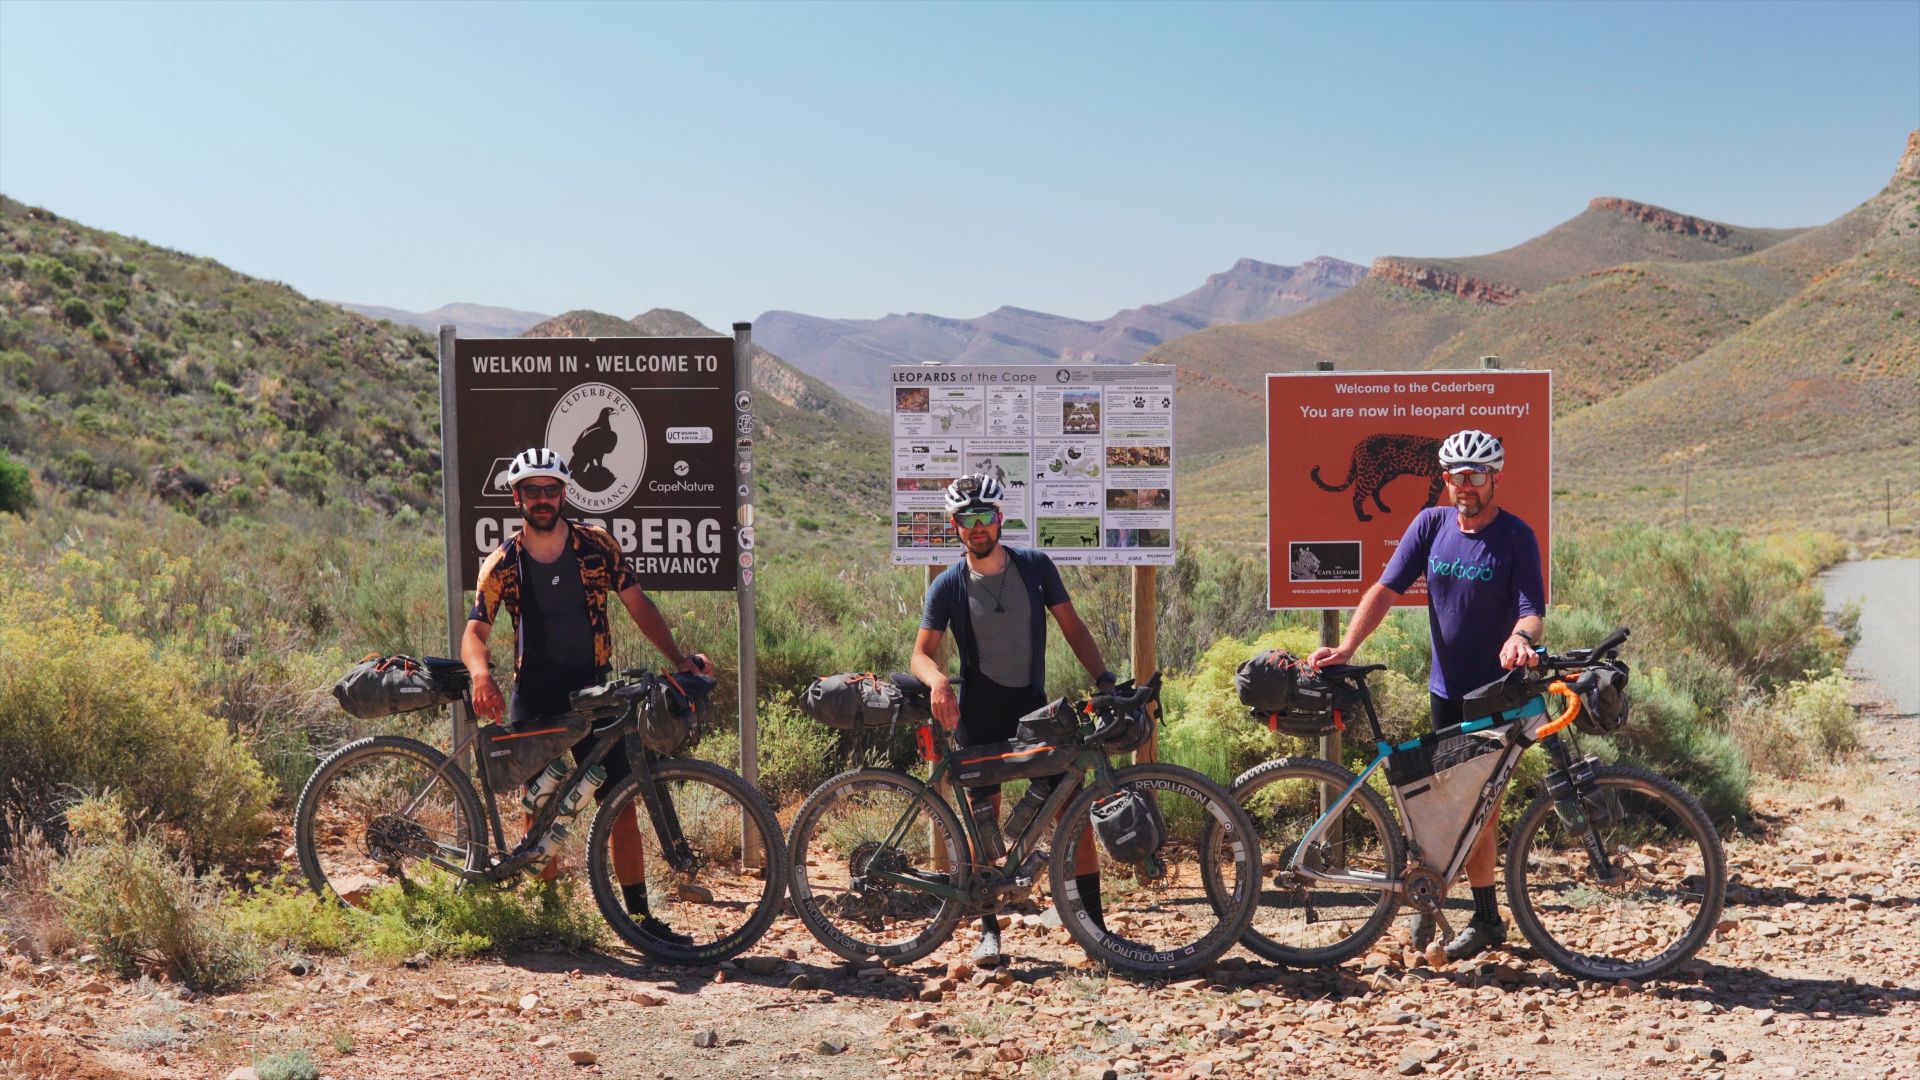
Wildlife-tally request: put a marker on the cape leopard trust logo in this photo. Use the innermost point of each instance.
(605, 441)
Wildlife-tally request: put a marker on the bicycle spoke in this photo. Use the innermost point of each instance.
(842, 836)
(378, 814)
(1643, 910)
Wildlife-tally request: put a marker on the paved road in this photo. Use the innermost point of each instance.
(1888, 591)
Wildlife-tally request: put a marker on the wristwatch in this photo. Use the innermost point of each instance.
(1528, 638)
(1106, 677)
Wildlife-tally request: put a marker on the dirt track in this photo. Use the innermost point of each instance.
(1816, 973)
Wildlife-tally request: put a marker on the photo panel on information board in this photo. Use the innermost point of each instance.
(1353, 458)
(1085, 453)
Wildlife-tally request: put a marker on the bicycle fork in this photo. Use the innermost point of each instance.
(1570, 783)
(666, 820)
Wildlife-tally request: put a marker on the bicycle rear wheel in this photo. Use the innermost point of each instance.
(841, 833)
(1177, 917)
(377, 811)
(1654, 904)
(1304, 923)
(718, 896)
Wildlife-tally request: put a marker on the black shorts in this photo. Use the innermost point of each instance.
(1445, 712)
(991, 713)
(542, 690)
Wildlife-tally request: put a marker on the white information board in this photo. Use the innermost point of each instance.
(1085, 452)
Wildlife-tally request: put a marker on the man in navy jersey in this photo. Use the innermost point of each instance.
(1486, 605)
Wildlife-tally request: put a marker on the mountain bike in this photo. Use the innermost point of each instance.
(1611, 873)
(386, 808)
(882, 866)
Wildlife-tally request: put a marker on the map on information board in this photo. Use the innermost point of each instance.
(1085, 453)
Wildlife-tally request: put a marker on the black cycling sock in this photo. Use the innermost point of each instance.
(990, 923)
(1088, 885)
(636, 896)
(1485, 908)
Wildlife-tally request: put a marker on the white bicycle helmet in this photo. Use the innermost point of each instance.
(537, 461)
(974, 492)
(1472, 448)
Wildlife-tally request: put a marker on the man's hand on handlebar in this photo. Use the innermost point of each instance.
(1518, 652)
(695, 664)
(487, 701)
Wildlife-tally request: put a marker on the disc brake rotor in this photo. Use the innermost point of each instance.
(391, 837)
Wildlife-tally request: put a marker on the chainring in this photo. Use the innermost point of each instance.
(1425, 889)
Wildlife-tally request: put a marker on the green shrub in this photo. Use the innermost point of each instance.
(1799, 726)
(797, 753)
(76, 311)
(1673, 736)
(285, 909)
(442, 916)
(288, 1065)
(97, 709)
(16, 487)
(141, 908)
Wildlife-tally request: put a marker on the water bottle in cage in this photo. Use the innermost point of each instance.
(543, 786)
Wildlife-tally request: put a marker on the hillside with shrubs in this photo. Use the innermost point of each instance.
(216, 494)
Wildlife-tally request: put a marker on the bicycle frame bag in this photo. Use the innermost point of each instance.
(675, 715)
(1438, 779)
(512, 754)
(1130, 825)
(1015, 759)
(853, 701)
(385, 685)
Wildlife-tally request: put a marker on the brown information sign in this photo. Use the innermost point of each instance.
(1353, 457)
(647, 427)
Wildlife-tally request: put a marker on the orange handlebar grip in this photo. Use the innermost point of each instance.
(1565, 718)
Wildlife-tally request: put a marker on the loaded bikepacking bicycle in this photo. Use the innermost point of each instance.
(1612, 872)
(882, 868)
(387, 808)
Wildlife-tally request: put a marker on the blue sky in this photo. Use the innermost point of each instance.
(856, 159)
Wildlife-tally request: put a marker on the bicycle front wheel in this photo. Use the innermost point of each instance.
(841, 833)
(713, 893)
(381, 810)
(1301, 922)
(1643, 911)
(1178, 911)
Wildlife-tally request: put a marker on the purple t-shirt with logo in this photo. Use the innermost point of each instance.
(1478, 586)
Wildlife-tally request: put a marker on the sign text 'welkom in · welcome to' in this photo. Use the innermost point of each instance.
(646, 425)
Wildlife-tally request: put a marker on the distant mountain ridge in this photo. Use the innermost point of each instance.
(471, 320)
(852, 355)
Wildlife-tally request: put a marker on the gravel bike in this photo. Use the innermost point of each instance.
(1612, 872)
(386, 808)
(881, 862)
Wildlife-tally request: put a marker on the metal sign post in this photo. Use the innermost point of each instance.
(743, 590)
(1142, 608)
(450, 496)
(1330, 747)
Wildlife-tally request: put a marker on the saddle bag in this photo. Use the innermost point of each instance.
(1130, 825)
(853, 701)
(512, 754)
(1279, 689)
(1015, 759)
(1438, 779)
(385, 685)
(1604, 705)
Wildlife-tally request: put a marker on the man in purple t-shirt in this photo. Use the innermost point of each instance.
(1486, 602)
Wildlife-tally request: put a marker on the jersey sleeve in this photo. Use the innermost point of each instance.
(1529, 583)
(487, 589)
(1053, 591)
(1410, 558)
(623, 576)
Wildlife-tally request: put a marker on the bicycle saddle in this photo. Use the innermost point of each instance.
(1346, 671)
(917, 693)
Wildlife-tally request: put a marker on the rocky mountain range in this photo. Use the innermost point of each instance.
(473, 320)
(852, 355)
